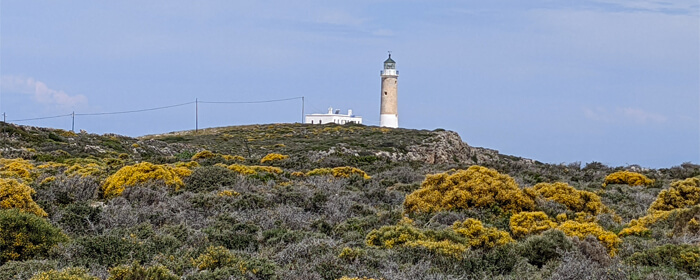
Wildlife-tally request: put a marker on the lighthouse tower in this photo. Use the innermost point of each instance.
(389, 116)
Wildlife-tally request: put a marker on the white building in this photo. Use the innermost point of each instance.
(332, 117)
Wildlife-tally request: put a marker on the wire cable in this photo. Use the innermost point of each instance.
(135, 111)
(249, 102)
(41, 118)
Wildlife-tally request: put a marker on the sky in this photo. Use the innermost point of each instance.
(611, 81)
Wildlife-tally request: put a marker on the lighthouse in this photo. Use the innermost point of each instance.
(389, 114)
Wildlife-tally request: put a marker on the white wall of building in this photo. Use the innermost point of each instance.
(332, 117)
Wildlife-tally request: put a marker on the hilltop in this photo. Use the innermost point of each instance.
(296, 201)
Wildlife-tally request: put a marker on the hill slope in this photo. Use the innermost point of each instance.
(292, 201)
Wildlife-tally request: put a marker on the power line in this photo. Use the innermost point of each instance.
(41, 118)
(249, 102)
(135, 111)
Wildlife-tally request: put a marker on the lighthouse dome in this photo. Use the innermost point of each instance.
(389, 60)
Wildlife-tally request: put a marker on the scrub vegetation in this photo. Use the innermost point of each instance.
(292, 201)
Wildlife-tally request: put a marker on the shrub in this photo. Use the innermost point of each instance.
(80, 218)
(339, 172)
(233, 158)
(346, 172)
(582, 230)
(357, 278)
(404, 234)
(228, 232)
(390, 236)
(84, 170)
(25, 269)
(138, 272)
(526, 223)
(70, 273)
(253, 170)
(203, 155)
(684, 257)
(475, 187)
(189, 165)
(17, 168)
(681, 194)
(219, 258)
(575, 200)
(14, 194)
(540, 249)
(273, 157)
(627, 178)
(25, 235)
(209, 178)
(132, 175)
(640, 226)
(480, 236)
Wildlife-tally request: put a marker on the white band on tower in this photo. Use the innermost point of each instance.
(389, 120)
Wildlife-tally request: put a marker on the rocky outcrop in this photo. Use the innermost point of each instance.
(443, 147)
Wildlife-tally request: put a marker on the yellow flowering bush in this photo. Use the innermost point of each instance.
(627, 178)
(526, 223)
(404, 234)
(339, 172)
(17, 168)
(14, 194)
(681, 194)
(640, 226)
(253, 170)
(273, 157)
(298, 174)
(443, 247)
(228, 193)
(84, 170)
(136, 271)
(188, 165)
(70, 273)
(581, 230)
(233, 158)
(480, 236)
(357, 278)
(132, 175)
(347, 171)
(203, 155)
(575, 200)
(391, 236)
(475, 187)
(52, 165)
(47, 180)
(215, 257)
(319, 172)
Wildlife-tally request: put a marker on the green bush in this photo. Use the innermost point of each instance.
(25, 235)
(80, 218)
(70, 273)
(25, 269)
(228, 232)
(138, 272)
(683, 257)
(540, 249)
(210, 178)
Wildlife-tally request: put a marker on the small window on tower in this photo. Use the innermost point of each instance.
(385, 93)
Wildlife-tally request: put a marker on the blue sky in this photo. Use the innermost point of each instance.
(557, 81)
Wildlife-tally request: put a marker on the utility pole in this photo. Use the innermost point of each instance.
(196, 115)
(72, 125)
(302, 109)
